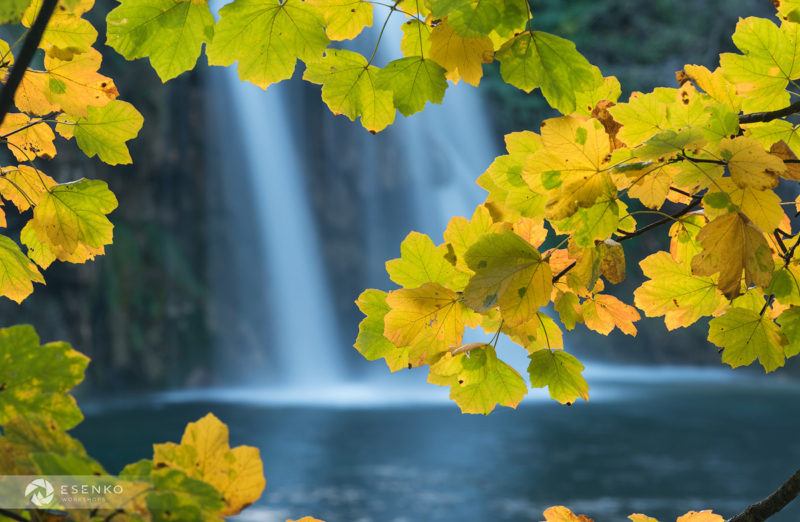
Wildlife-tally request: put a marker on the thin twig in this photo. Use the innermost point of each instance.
(764, 509)
(25, 57)
(32, 123)
(672, 217)
(564, 271)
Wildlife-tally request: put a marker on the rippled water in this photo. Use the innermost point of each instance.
(658, 442)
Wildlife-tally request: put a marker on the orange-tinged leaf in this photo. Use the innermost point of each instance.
(638, 517)
(463, 58)
(75, 85)
(26, 138)
(562, 514)
(602, 313)
(306, 519)
(612, 261)
(204, 453)
(731, 243)
(701, 516)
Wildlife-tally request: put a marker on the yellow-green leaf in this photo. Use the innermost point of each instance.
(170, 32)
(745, 335)
(104, 131)
(349, 87)
(267, 37)
(561, 373)
(17, 273)
(344, 19)
(371, 342)
(423, 262)
(413, 81)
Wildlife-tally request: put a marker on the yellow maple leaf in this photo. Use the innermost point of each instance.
(731, 243)
(750, 165)
(570, 166)
(27, 138)
(700, 516)
(24, 186)
(75, 84)
(463, 58)
(204, 453)
(562, 514)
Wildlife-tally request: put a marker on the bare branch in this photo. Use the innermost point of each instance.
(778, 500)
(770, 115)
(672, 217)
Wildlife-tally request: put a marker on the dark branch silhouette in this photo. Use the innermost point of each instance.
(778, 500)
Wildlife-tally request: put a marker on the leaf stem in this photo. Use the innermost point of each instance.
(671, 217)
(392, 9)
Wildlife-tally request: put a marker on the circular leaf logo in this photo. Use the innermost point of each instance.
(40, 492)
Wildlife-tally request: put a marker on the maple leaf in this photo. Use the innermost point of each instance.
(267, 37)
(344, 19)
(306, 519)
(731, 243)
(36, 378)
(715, 85)
(104, 131)
(74, 85)
(789, 320)
(638, 517)
(463, 58)
(570, 165)
(612, 261)
(749, 164)
(478, 381)
(73, 216)
(204, 454)
(17, 273)
(769, 62)
(643, 116)
(462, 233)
(170, 32)
(413, 81)
(416, 38)
(371, 342)
(26, 138)
(422, 262)
(700, 516)
(24, 186)
(11, 11)
(509, 273)
(535, 59)
(350, 87)
(762, 207)
(67, 34)
(478, 19)
(602, 313)
(561, 373)
(431, 315)
(745, 336)
(674, 292)
(562, 514)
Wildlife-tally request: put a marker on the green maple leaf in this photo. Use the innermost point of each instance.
(170, 32)
(11, 10)
(540, 60)
(509, 273)
(473, 19)
(34, 379)
(561, 373)
(769, 62)
(790, 325)
(104, 131)
(267, 37)
(414, 81)
(371, 342)
(350, 87)
(423, 262)
(745, 336)
(479, 380)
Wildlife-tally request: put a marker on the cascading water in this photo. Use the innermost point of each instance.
(414, 175)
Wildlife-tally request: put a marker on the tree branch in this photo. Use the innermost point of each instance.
(25, 56)
(672, 217)
(770, 115)
(12, 515)
(778, 500)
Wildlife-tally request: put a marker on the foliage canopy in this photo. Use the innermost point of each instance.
(710, 157)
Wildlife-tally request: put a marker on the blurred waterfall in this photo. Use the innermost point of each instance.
(309, 207)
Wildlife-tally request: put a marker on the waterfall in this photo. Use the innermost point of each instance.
(286, 261)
